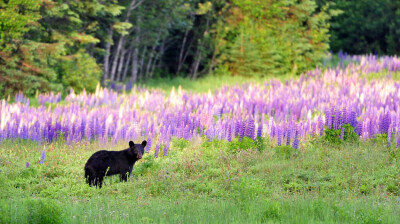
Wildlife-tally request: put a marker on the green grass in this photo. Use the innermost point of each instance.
(384, 75)
(209, 82)
(205, 182)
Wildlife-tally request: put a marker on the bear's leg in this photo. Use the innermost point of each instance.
(90, 181)
(123, 177)
(100, 181)
(95, 181)
(89, 176)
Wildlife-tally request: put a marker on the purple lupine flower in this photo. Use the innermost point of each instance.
(279, 137)
(288, 137)
(241, 131)
(345, 119)
(296, 140)
(229, 137)
(250, 129)
(43, 156)
(385, 123)
(398, 140)
(320, 126)
(273, 131)
(27, 164)
(329, 119)
(166, 147)
(389, 137)
(313, 128)
(259, 130)
(113, 85)
(157, 149)
(336, 120)
(148, 145)
(353, 118)
(236, 128)
(388, 121)
(359, 127)
(186, 132)
(129, 86)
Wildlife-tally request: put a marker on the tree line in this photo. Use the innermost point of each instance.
(55, 45)
(365, 26)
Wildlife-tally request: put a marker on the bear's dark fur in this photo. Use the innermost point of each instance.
(107, 163)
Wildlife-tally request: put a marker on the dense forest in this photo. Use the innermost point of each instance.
(55, 45)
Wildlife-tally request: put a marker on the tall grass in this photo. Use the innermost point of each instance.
(205, 182)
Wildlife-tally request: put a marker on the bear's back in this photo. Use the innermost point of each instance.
(106, 158)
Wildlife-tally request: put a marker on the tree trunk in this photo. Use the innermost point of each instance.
(122, 40)
(151, 56)
(213, 62)
(126, 66)
(195, 65)
(181, 61)
(198, 55)
(134, 71)
(141, 63)
(116, 57)
(135, 56)
(157, 60)
(120, 64)
(107, 56)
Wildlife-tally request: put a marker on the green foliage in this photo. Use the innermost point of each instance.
(236, 146)
(44, 211)
(44, 48)
(122, 27)
(179, 143)
(261, 143)
(4, 208)
(285, 151)
(273, 211)
(333, 136)
(147, 165)
(365, 26)
(16, 18)
(80, 71)
(380, 139)
(274, 37)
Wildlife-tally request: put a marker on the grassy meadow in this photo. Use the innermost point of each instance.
(206, 182)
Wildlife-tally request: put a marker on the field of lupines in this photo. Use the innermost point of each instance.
(289, 113)
(205, 181)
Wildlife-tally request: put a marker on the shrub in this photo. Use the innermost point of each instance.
(334, 135)
(236, 146)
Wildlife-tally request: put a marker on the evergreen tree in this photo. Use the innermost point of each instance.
(274, 38)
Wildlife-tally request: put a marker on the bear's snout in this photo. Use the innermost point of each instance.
(139, 155)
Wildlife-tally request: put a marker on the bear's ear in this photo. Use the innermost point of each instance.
(144, 143)
(131, 144)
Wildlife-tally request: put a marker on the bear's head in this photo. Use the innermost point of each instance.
(137, 150)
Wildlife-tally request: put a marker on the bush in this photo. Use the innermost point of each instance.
(236, 146)
(274, 37)
(80, 72)
(334, 135)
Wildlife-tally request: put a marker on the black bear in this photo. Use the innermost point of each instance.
(107, 163)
